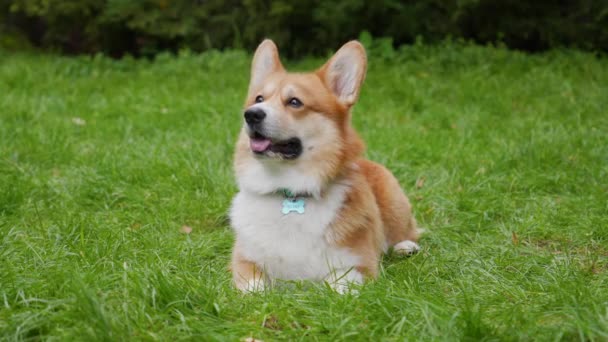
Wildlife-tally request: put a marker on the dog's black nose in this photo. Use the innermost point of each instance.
(254, 116)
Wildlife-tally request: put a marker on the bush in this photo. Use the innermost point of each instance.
(301, 27)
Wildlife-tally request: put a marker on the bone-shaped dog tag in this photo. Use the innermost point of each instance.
(296, 205)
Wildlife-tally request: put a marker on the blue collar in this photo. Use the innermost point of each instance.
(291, 195)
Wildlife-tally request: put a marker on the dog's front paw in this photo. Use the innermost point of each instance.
(406, 247)
(345, 281)
(344, 288)
(250, 285)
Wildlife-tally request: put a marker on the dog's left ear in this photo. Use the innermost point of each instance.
(344, 73)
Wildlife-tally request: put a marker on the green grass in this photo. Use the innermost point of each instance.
(504, 155)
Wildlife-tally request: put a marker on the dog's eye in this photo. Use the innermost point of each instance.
(259, 99)
(295, 102)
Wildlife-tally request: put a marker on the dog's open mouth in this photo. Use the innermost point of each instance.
(287, 149)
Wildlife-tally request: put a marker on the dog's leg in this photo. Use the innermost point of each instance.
(247, 276)
(400, 229)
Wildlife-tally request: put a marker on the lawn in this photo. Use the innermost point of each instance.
(116, 178)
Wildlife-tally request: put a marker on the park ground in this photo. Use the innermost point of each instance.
(116, 177)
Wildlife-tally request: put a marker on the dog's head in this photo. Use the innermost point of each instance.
(296, 126)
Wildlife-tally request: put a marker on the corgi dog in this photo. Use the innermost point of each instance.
(310, 206)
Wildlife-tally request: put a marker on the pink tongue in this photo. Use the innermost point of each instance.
(259, 145)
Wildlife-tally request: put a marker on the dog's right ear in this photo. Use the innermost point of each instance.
(265, 62)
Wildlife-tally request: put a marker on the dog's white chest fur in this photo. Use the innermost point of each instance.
(293, 245)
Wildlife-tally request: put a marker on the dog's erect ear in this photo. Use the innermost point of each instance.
(344, 73)
(265, 62)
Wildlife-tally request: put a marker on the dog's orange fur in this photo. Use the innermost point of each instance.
(243, 270)
(376, 214)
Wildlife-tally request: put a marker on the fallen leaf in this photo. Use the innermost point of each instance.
(272, 323)
(297, 325)
(514, 238)
(186, 229)
(481, 171)
(78, 121)
(420, 182)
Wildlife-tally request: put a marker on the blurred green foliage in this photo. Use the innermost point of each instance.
(301, 27)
